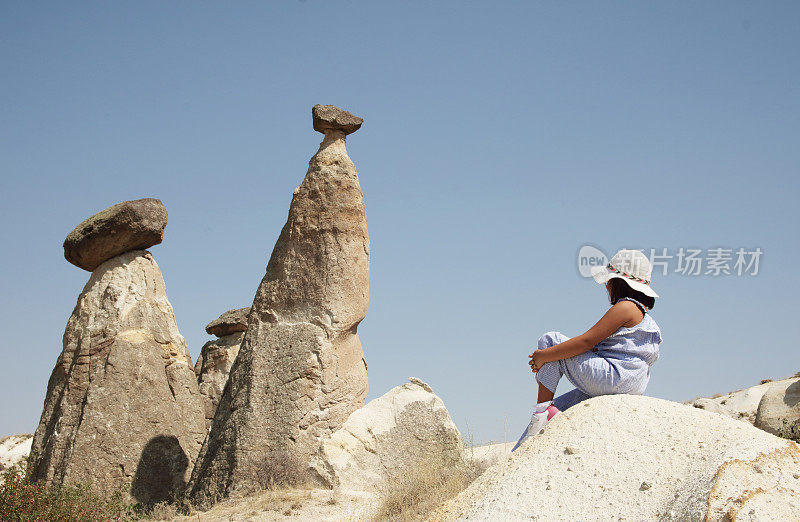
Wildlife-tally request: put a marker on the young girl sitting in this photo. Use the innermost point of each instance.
(613, 356)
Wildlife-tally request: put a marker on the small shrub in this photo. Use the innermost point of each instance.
(163, 511)
(279, 469)
(22, 500)
(424, 487)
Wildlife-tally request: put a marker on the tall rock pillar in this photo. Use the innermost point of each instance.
(122, 407)
(300, 370)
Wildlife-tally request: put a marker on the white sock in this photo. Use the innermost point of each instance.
(542, 406)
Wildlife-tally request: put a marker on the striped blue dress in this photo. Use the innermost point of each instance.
(619, 364)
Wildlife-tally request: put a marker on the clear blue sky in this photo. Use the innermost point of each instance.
(498, 139)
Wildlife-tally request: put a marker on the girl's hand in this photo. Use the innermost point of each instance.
(536, 361)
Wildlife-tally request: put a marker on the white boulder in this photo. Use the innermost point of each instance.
(779, 409)
(14, 449)
(739, 405)
(638, 458)
(406, 427)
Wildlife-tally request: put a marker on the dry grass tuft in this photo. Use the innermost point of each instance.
(20, 437)
(424, 487)
(278, 470)
(163, 511)
(261, 505)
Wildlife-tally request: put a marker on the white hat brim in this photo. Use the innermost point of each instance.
(602, 274)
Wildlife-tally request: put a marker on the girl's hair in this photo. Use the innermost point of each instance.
(618, 288)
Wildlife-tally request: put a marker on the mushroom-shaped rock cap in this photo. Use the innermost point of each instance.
(330, 117)
(230, 322)
(126, 226)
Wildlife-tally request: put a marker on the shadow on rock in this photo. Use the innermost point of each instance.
(792, 395)
(161, 473)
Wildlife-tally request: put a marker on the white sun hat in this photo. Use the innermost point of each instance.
(632, 266)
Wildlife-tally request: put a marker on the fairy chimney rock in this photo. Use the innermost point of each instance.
(300, 370)
(122, 407)
(217, 356)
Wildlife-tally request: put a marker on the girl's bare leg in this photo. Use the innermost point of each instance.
(544, 394)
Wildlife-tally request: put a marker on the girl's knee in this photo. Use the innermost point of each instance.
(551, 339)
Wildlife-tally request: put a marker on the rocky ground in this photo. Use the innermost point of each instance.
(489, 454)
(624, 457)
(310, 504)
(291, 504)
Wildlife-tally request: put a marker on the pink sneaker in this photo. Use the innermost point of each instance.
(538, 421)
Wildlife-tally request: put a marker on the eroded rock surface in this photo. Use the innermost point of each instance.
(779, 409)
(300, 370)
(232, 321)
(407, 427)
(216, 358)
(213, 368)
(126, 226)
(122, 405)
(327, 118)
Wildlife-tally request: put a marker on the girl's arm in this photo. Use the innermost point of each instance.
(622, 313)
